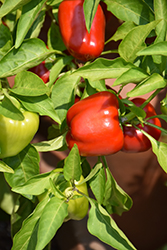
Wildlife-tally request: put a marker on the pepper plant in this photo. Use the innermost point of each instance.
(91, 126)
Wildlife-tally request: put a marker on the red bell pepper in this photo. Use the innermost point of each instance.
(134, 140)
(41, 71)
(94, 125)
(81, 44)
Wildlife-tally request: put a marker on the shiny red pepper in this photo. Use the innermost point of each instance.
(81, 44)
(134, 140)
(94, 125)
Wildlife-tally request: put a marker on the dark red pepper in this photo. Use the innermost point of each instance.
(41, 71)
(134, 140)
(81, 44)
(94, 125)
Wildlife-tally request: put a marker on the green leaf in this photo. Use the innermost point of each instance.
(115, 198)
(133, 75)
(24, 209)
(131, 10)
(54, 38)
(159, 60)
(122, 31)
(37, 25)
(8, 109)
(159, 149)
(86, 168)
(135, 41)
(31, 53)
(57, 68)
(103, 69)
(42, 105)
(99, 85)
(51, 145)
(89, 88)
(97, 184)
(10, 6)
(91, 174)
(101, 225)
(54, 131)
(5, 168)
(54, 189)
(62, 94)
(149, 66)
(53, 2)
(5, 41)
(72, 165)
(138, 112)
(155, 81)
(155, 49)
(23, 239)
(160, 7)
(36, 185)
(28, 15)
(29, 84)
(90, 8)
(25, 165)
(5, 49)
(161, 31)
(51, 220)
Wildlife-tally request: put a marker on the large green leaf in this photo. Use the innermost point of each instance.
(62, 94)
(131, 10)
(155, 81)
(10, 6)
(28, 16)
(116, 200)
(53, 144)
(133, 75)
(51, 220)
(97, 183)
(160, 7)
(103, 68)
(155, 49)
(28, 84)
(25, 165)
(159, 149)
(36, 185)
(42, 105)
(24, 238)
(32, 52)
(134, 41)
(122, 31)
(103, 226)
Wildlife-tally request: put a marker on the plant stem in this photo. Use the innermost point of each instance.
(109, 52)
(155, 126)
(104, 161)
